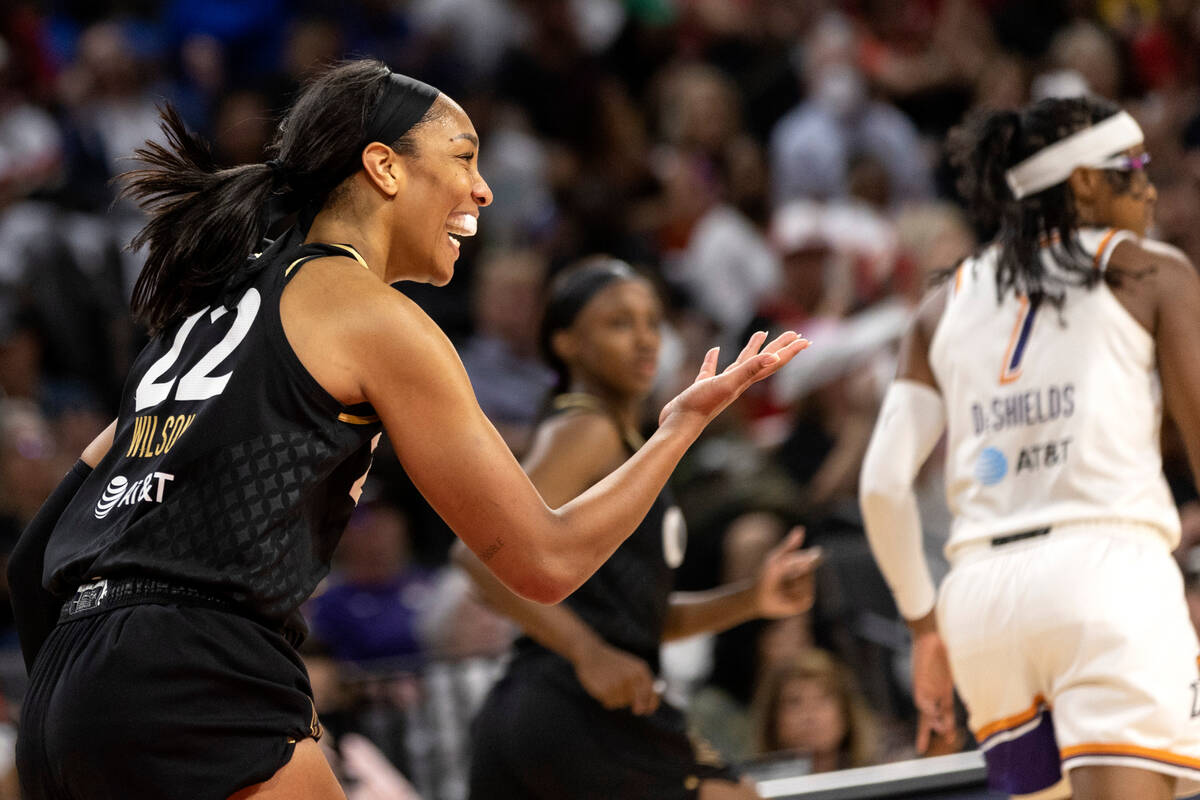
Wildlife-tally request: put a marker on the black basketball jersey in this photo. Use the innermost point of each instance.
(231, 468)
(626, 600)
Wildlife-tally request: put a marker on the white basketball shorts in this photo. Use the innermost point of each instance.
(1075, 648)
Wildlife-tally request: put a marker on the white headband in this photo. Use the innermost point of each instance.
(1054, 164)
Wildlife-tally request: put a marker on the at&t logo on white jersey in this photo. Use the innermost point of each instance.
(120, 492)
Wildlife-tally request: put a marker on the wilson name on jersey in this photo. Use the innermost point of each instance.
(231, 469)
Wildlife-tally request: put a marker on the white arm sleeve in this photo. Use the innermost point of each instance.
(910, 423)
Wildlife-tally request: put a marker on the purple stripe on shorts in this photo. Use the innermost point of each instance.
(1027, 763)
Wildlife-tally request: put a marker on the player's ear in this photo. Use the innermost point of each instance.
(565, 345)
(383, 168)
(1085, 184)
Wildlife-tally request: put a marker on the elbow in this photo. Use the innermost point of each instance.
(880, 499)
(545, 579)
(540, 586)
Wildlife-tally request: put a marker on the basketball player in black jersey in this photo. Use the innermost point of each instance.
(156, 591)
(581, 683)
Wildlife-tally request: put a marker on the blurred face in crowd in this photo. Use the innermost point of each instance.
(374, 547)
(612, 346)
(810, 717)
(507, 287)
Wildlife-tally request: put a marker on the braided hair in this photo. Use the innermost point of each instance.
(987, 145)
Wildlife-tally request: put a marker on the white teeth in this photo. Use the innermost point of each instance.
(463, 224)
(453, 241)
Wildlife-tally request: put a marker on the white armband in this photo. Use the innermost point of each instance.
(910, 423)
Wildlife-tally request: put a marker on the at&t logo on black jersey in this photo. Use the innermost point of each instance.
(120, 492)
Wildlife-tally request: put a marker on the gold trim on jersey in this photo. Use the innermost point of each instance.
(346, 247)
(357, 420)
(354, 253)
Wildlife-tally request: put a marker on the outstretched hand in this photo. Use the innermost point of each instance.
(711, 393)
(786, 582)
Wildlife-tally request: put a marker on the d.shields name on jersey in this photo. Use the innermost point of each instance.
(1021, 409)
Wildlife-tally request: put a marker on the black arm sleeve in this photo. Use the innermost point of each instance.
(35, 609)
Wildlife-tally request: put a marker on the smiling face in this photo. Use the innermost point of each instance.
(439, 199)
(612, 346)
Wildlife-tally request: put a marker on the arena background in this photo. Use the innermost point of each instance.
(772, 163)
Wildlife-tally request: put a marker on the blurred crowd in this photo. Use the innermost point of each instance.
(771, 163)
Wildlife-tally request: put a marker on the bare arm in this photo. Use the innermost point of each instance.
(409, 372)
(98, 448)
(569, 454)
(784, 586)
(1177, 339)
(909, 424)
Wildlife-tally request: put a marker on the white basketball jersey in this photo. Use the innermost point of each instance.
(1053, 416)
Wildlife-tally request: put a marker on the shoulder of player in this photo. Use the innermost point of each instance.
(584, 429)
(589, 438)
(356, 301)
(1141, 255)
(1164, 276)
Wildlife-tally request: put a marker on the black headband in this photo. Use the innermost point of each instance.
(403, 103)
(405, 100)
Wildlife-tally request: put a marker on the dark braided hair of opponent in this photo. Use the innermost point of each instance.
(988, 144)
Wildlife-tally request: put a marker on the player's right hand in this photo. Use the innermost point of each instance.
(710, 393)
(933, 691)
(617, 679)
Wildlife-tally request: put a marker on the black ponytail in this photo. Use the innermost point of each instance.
(205, 222)
(983, 149)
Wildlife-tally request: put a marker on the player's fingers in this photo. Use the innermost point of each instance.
(750, 370)
(645, 699)
(752, 346)
(781, 341)
(799, 563)
(794, 539)
(926, 703)
(788, 351)
(764, 366)
(923, 733)
(708, 367)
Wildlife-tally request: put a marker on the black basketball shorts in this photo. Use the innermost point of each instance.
(160, 701)
(540, 736)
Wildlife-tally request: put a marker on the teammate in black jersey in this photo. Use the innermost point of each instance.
(577, 715)
(156, 591)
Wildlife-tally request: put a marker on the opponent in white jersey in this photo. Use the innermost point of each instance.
(1045, 359)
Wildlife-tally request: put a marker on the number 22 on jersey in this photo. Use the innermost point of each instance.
(198, 382)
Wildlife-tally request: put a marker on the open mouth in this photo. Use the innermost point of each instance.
(459, 226)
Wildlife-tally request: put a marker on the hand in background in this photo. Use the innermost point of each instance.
(933, 692)
(617, 679)
(787, 579)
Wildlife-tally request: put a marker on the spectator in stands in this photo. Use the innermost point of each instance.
(813, 147)
(809, 707)
(372, 607)
(501, 356)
